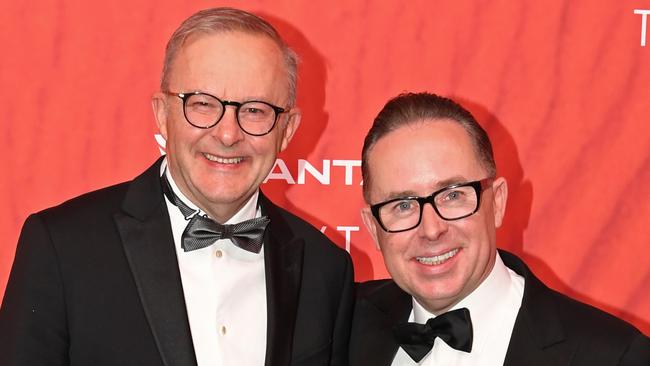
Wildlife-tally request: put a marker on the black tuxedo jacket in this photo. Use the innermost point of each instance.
(550, 330)
(95, 281)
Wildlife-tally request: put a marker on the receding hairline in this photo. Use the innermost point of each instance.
(222, 20)
(413, 123)
(203, 33)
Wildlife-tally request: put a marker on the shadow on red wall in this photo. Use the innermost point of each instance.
(312, 80)
(520, 198)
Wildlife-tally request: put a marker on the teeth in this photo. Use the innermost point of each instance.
(217, 159)
(438, 259)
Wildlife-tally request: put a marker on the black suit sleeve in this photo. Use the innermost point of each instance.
(638, 353)
(33, 326)
(343, 323)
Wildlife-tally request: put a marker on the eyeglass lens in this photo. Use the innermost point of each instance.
(204, 111)
(450, 204)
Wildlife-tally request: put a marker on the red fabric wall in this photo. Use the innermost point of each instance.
(563, 88)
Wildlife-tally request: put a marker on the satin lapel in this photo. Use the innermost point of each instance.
(381, 310)
(538, 336)
(283, 253)
(146, 235)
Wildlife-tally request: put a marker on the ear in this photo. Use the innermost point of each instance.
(500, 192)
(159, 105)
(293, 121)
(371, 224)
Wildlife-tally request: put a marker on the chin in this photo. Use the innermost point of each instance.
(440, 291)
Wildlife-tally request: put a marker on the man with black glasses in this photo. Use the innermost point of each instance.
(434, 204)
(189, 263)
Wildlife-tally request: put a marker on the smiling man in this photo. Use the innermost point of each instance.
(189, 263)
(434, 204)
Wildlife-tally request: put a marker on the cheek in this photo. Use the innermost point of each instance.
(175, 133)
(186, 138)
(485, 229)
(392, 259)
(394, 246)
(480, 238)
(265, 147)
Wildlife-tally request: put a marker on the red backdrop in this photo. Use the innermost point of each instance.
(563, 88)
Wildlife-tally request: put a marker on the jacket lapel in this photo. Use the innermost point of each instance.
(538, 337)
(378, 312)
(145, 229)
(283, 253)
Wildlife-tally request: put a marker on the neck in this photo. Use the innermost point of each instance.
(436, 307)
(219, 212)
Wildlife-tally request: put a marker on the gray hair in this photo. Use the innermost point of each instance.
(217, 20)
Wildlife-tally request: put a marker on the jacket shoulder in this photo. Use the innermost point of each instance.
(590, 335)
(372, 288)
(590, 322)
(141, 194)
(384, 295)
(105, 200)
(576, 316)
(315, 240)
(601, 336)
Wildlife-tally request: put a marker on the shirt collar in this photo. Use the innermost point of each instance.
(481, 301)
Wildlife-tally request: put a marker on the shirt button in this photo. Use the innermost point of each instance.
(218, 254)
(223, 330)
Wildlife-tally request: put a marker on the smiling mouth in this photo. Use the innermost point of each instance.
(220, 160)
(438, 259)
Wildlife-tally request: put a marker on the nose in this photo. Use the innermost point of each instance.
(431, 226)
(227, 130)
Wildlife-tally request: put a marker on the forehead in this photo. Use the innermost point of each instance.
(421, 157)
(228, 61)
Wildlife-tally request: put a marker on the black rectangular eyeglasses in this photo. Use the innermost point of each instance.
(453, 202)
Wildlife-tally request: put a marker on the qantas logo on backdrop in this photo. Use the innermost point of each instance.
(644, 23)
(306, 171)
(322, 174)
(280, 171)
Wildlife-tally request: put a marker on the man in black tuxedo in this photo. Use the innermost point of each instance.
(434, 203)
(189, 263)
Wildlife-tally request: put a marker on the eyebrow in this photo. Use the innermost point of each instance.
(439, 185)
(245, 99)
(458, 179)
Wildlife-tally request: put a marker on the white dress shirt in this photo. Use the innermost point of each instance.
(225, 292)
(493, 307)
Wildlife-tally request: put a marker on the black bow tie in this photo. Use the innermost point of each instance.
(202, 232)
(453, 327)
